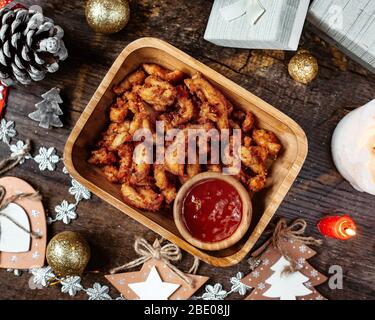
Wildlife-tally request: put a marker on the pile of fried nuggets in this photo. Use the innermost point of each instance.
(153, 93)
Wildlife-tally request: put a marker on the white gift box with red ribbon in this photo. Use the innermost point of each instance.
(257, 24)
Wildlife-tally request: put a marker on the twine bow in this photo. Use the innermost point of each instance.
(167, 253)
(3, 204)
(9, 163)
(281, 232)
(252, 8)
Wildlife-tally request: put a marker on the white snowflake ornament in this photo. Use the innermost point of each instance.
(7, 131)
(79, 191)
(71, 285)
(18, 149)
(47, 159)
(215, 292)
(41, 276)
(98, 292)
(237, 285)
(65, 212)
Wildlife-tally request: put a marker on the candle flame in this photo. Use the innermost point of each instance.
(350, 232)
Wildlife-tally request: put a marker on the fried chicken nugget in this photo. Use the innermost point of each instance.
(102, 157)
(214, 168)
(208, 112)
(254, 157)
(111, 173)
(118, 111)
(257, 183)
(268, 140)
(125, 153)
(121, 135)
(249, 122)
(207, 93)
(170, 76)
(158, 93)
(142, 197)
(185, 112)
(135, 78)
(162, 181)
(141, 166)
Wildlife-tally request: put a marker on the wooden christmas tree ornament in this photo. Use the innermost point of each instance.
(281, 270)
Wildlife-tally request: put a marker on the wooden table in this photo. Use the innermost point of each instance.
(341, 87)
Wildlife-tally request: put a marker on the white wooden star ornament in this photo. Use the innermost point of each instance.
(156, 280)
(153, 288)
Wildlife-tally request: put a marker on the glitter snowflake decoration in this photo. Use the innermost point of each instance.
(47, 159)
(79, 191)
(41, 276)
(7, 131)
(65, 212)
(215, 292)
(71, 285)
(237, 285)
(98, 292)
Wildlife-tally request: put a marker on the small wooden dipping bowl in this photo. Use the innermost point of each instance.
(241, 228)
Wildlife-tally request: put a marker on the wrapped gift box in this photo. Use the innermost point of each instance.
(348, 24)
(278, 27)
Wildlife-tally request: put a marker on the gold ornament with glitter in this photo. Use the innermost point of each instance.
(68, 254)
(303, 67)
(107, 16)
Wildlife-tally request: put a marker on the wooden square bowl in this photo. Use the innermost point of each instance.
(94, 120)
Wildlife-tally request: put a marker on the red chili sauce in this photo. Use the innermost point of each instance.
(212, 210)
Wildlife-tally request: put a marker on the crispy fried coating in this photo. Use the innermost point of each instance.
(257, 183)
(268, 140)
(247, 141)
(254, 157)
(172, 163)
(162, 181)
(111, 173)
(102, 157)
(249, 122)
(158, 93)
(135, 78)
(141, 166)
(207, 93)
(142, 197)
(214, 168)
(155, 93)
(118, 111)
(170, 76)
(208, 112)
(125, 153)
(186, 110)
(121, 135)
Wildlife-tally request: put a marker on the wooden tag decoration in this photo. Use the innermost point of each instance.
(18, 249)
(282, 271)
(157, 279)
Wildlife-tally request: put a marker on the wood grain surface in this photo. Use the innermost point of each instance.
(342, 86)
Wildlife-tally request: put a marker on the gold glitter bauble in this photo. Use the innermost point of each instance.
(68, 254)
(303, 67)
(107, 16)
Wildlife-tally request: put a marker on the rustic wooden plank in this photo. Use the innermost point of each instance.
(317, 108)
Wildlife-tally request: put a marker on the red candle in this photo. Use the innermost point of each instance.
(338, 227)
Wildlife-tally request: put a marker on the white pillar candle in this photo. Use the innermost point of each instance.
(353, 148)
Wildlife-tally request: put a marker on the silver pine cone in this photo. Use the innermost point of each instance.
(30, 46)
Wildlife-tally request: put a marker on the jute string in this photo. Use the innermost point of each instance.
(9, 163)
(167, 253)
(281, 232)
(4, 203)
